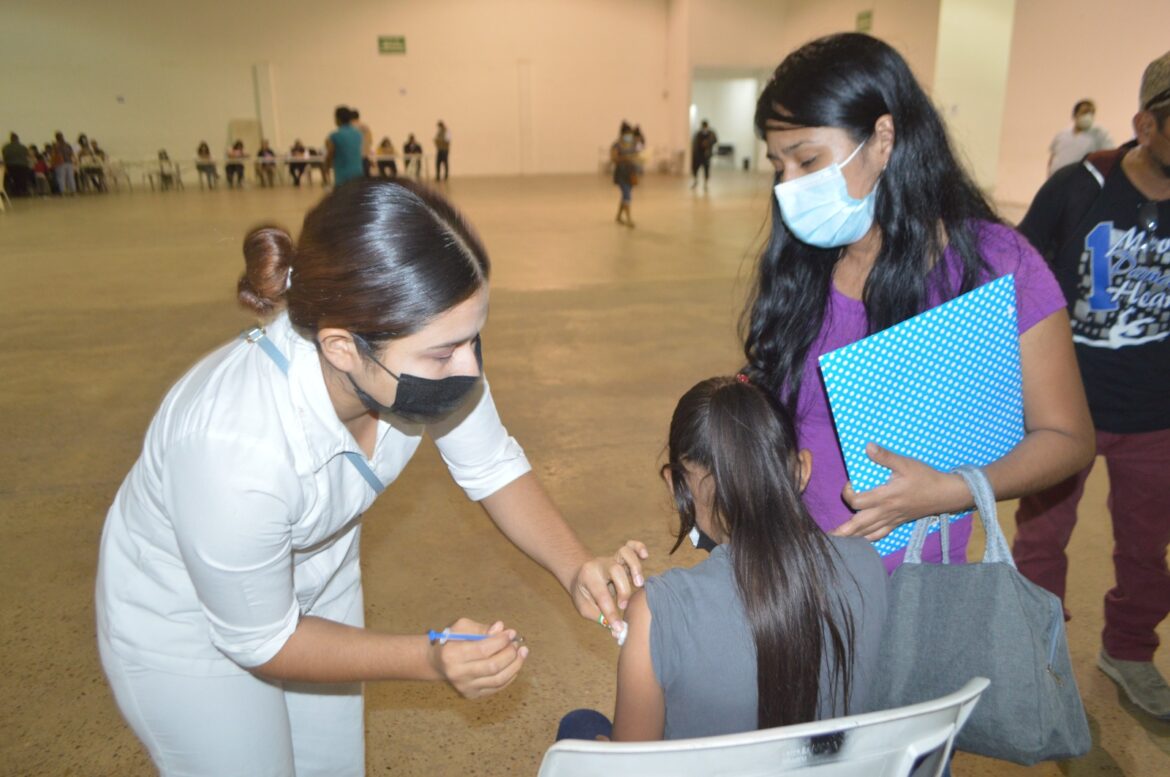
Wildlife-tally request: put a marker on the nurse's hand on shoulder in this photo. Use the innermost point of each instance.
(913, 490)
(478, 669)
(603, 586)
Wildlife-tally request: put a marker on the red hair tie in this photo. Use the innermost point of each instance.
(741, 378)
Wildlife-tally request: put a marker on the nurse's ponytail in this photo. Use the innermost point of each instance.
(268, 255)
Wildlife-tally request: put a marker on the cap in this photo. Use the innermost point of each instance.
(1156, 82)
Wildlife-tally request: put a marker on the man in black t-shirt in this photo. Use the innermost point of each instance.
(1104, 225)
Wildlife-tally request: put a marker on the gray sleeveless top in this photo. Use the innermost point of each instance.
(702, 648)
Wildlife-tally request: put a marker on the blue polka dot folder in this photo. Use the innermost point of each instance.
(943, 387)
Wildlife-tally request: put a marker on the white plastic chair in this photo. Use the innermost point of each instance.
(893, 743)
(167, 173)
(116, 172)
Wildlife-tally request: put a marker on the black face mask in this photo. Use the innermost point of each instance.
(423, 400)
(701, 540)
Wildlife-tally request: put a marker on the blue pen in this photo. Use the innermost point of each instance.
(442, 636)
(446, 634)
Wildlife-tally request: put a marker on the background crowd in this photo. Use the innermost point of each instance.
(60, 167)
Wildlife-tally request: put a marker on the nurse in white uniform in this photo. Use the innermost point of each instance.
(229, 600)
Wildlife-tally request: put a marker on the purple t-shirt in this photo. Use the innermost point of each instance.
(1037, 296)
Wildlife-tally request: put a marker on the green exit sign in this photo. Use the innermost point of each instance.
(391, 44)
(864, 21)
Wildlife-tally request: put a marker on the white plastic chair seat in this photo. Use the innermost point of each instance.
(892, 743)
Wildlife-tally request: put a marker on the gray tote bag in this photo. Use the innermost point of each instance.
(948, 623)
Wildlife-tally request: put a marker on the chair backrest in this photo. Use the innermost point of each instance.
(891, 743)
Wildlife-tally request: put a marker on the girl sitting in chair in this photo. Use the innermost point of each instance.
(780, 625)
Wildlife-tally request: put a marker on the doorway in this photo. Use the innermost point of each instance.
(727, 101)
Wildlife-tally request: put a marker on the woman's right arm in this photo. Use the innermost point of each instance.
(324, 651)
(230, 502)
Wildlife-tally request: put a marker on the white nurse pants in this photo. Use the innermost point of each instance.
(239, 724)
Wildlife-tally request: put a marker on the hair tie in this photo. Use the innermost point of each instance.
(741, 378)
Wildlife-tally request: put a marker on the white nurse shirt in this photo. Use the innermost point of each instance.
(241, 514)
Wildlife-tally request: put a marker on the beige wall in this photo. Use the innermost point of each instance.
(910, 26)
(970, 77)
(560, 74)
(527, 86)
(1063, 51)
(678, 71)
(738, 35)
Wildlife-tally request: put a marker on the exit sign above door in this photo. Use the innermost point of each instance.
(391, 44)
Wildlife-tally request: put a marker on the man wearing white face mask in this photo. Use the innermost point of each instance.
(1072, 144)
(1104, 225)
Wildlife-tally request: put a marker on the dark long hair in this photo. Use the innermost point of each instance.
(924, 202)
(378, 258)
(745, 440)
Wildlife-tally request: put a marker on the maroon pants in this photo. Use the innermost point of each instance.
(1139, 484)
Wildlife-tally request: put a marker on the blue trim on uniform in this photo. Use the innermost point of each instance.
(256, 336)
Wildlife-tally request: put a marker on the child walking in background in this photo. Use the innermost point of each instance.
(810, 606)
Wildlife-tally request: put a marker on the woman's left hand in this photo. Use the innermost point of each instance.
(913, 490)
(599, 580)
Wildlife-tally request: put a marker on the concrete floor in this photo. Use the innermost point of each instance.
(595, 331)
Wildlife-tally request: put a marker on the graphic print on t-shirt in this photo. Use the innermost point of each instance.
(1123, 296)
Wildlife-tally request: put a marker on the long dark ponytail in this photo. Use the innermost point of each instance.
(924, 203)
(745, 440)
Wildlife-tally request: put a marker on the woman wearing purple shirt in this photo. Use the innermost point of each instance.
(873, 222)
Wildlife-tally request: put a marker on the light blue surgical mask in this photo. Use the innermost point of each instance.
(819, 210)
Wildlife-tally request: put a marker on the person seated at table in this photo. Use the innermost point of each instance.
(317, 162)
(412, 153)
(167, 173)
(266, 165)
(387, 166)
(297, 168)
(234, 169)
(90, 172)
(101, 156)
(82, 145)
(47, 152)
(41, 173)
(205, 165)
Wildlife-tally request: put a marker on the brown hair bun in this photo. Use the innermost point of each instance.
(268, 253)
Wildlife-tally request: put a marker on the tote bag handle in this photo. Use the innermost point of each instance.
(996, 548)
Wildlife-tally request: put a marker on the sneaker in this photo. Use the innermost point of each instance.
(1141, 681)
